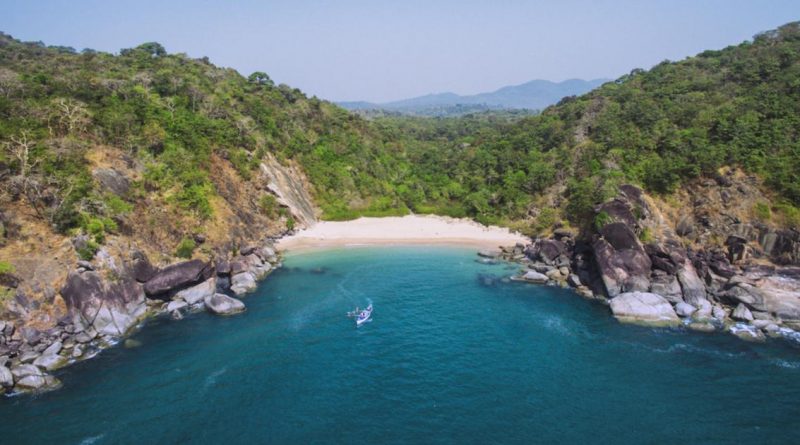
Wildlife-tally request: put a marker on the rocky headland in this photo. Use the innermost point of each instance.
(653, 271)
(106, 304)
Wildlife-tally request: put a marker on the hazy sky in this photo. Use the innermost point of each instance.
(381, 50)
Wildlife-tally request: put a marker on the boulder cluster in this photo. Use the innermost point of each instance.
(106, 303)
(660, 281)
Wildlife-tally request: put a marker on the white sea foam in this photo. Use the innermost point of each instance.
(92, 439)
(786, 364)
(211, 380)
(790, 334)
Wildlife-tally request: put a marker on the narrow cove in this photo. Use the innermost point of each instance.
(456, 354)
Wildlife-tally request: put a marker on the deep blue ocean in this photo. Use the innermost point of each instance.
(455, 354)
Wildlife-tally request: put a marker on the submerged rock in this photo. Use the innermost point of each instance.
(486, 253)
(131, 343)
(643, 307)
(222, 304)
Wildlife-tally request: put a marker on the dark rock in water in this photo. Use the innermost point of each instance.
(141, 268)
(485, 253)
(178, 276)
(488, 280)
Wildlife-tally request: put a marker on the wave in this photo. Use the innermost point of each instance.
(785, 364)
(92, 439)
(211, 380)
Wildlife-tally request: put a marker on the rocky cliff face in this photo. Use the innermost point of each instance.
(290, 185)
(653, 267)
(53, 296)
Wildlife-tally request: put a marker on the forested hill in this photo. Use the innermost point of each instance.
(177, 116)
(662, 129)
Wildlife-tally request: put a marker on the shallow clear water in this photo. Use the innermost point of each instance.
(454, 355)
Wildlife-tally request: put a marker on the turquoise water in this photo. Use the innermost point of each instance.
(454, 355)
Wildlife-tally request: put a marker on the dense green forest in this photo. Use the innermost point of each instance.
(739, 106)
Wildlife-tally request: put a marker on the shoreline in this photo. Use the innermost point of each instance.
(399, 230)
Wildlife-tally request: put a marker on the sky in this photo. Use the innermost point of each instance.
(388, 50)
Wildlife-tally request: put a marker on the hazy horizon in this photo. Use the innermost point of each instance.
(367, 51)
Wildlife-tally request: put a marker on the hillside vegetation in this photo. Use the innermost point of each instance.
(177, 116)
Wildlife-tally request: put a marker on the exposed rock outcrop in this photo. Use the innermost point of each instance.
(643, 307)
(710, 288)
(222, 304)
(111, 308)
(178, 276)
(289, 186)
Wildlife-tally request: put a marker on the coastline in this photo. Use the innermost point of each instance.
(405, 230)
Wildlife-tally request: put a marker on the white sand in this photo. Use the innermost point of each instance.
(410, 229)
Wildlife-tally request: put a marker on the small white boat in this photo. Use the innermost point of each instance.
(364, 316)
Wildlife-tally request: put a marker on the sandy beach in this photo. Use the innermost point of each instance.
(410, 229)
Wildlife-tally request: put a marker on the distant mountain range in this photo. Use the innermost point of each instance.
(533, 95)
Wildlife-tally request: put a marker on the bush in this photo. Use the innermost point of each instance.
(185, 248)
(646, 236)
(6, 267)
(601, 220)
(762, 211)
(545, 221)
(88, 252)
(790, 213)
(268, 205)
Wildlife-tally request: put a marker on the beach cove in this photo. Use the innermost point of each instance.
(456, 353)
